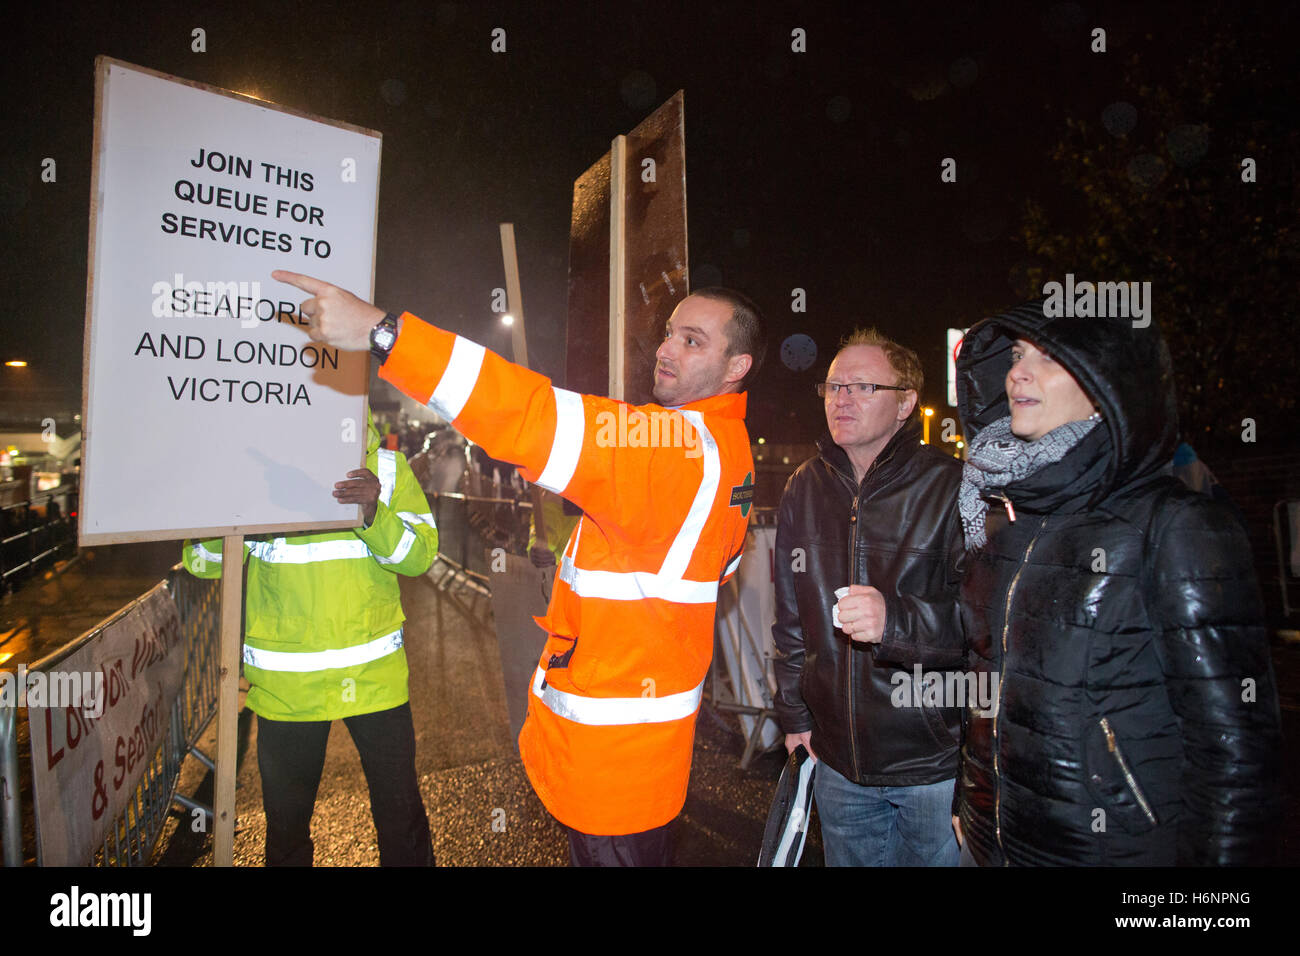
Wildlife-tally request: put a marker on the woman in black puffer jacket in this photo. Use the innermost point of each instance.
(1136, 716)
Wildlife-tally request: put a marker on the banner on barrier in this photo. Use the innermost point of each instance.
(97, 718)
(746, 608)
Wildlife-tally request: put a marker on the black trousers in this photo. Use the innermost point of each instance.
(648, 848)
(291, 755)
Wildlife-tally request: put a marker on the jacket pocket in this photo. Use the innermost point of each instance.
(557, 653)
(936, 720)
(1111, 777)
(563, 656)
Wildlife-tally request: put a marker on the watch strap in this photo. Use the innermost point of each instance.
(383, 337)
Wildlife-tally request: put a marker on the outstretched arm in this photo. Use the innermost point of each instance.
(566, 442)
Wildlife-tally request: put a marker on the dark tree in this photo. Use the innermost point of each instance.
(1154, 191)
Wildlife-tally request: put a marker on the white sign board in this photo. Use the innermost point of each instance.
(208, 410)
(97, 718)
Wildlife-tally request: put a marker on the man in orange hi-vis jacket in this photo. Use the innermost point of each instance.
(665, 492)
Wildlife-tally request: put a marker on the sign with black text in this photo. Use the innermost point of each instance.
(208, 410)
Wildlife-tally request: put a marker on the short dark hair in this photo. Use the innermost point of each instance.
(746, 333)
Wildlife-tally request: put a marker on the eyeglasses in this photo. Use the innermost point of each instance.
(855, 389)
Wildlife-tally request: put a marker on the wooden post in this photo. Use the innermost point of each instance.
(519, 339)
(617, 265)
(232, 605)
(514, 297)
(627, 258)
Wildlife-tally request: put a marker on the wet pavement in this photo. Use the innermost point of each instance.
(481, 808)
(65, 602)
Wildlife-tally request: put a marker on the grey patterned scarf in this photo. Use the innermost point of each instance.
(997, 458)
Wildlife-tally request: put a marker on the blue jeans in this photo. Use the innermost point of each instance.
(884, 826)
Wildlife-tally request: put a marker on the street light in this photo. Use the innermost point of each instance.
(929, 413)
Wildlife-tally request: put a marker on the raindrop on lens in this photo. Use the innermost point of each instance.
(1119, 118)
(798, 352)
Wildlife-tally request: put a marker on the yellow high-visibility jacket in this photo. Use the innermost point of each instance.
(323, 637)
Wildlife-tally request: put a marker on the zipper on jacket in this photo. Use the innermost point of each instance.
(1002, 673)
(849, 658)
(1113, 746)
(853, 563)
(1006, 503)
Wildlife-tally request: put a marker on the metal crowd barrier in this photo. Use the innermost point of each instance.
(133, 835)
(470, 526)
(31, 537)
(727, 692)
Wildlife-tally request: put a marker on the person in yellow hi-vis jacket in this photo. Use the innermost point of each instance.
(322, 642)
(665, 490)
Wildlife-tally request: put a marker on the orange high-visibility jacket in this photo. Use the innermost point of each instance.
(665, 496)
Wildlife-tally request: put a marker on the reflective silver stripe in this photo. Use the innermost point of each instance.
(386, 462)
(410, 517)
(571, 549)
(203, 554)
(457, 382)
(670, 583)
(303, 662)
(635, 585)
(679, 555)
(610, 711)
(796, 826)
(401, 551)
(733, 565)
(279, 551)
(570, 424)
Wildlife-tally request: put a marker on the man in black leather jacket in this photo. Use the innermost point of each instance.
(1137, 716)
(875, 510)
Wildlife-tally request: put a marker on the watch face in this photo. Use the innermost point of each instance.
(384, 337)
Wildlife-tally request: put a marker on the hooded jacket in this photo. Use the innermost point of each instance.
(1136, 719)
(323, 633)
(901, 532)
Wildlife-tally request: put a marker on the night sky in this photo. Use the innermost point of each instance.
(817, 170)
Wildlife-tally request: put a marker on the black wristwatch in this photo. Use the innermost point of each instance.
(382, 337)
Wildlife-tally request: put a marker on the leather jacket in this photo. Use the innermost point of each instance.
(901, 531)
(1137, 721)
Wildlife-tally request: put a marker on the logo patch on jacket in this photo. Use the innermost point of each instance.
(742, 495)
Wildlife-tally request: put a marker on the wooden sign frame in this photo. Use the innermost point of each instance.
(102, 66)
(628, 255)
(232, 598)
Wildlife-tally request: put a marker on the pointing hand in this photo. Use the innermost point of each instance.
(337, 316)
